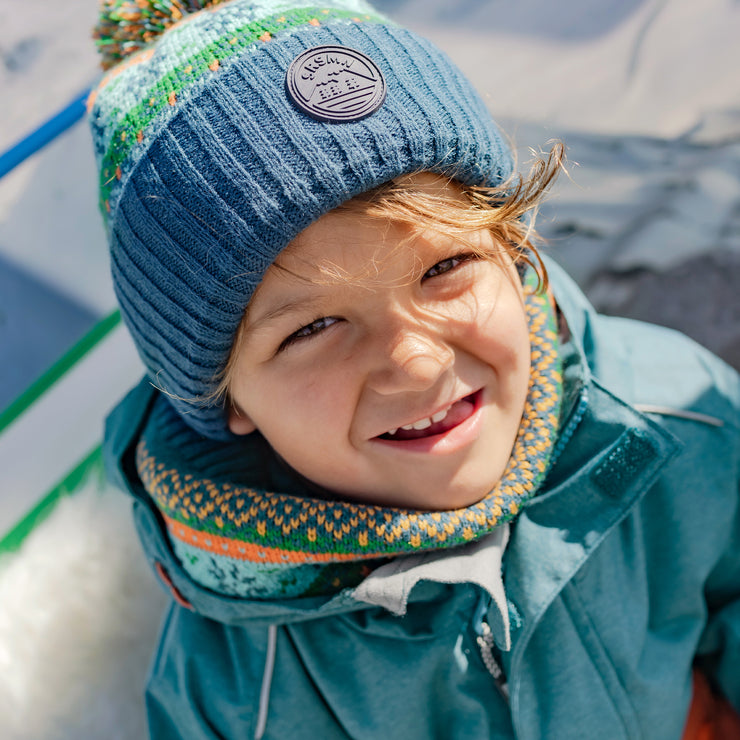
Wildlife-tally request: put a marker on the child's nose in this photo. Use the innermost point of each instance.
(411, 360)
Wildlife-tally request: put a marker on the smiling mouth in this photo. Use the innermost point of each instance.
(438, 423)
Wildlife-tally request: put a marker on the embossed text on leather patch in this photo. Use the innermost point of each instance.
(335, 84)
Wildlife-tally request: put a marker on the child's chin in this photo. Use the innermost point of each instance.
(445, 500)
(458, 502)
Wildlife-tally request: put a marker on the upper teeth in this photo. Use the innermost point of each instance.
(424, 423)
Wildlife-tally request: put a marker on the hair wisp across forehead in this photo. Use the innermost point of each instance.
(508, 211)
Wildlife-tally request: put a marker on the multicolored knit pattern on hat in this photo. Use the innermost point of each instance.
(210, 164)
(243, 541)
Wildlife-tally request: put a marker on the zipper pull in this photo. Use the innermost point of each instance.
(489, 653)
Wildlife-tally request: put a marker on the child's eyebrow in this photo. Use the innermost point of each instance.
(295, 306)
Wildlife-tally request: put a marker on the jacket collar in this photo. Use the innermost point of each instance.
(609, 456)
(610, 462)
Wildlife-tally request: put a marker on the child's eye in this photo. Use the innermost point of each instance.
(446, 265)
(308, 331)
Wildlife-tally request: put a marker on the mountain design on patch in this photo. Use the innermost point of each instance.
(335, 84)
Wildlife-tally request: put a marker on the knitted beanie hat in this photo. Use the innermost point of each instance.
(222, 131)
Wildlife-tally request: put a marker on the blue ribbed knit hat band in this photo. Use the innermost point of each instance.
(208, 169)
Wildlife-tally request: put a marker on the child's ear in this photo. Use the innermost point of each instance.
(239, 422)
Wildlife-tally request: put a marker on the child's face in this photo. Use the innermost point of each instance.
(370, 328)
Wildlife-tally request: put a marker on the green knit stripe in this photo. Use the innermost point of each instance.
(267, 580)
(171, 85)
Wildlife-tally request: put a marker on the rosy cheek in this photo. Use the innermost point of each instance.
(317, 393)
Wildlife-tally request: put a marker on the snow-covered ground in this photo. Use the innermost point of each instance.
(644, 93)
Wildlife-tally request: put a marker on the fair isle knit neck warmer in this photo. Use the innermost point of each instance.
(250, 542)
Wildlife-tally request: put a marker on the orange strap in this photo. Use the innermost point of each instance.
(711, 717)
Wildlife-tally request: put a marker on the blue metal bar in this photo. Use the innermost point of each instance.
(56, 125)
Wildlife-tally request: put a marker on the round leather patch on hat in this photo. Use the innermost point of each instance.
(335, 84)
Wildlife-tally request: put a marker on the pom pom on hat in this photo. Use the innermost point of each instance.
(128, 26)
(211, 163)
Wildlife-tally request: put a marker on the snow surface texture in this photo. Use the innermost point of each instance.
(646, 96)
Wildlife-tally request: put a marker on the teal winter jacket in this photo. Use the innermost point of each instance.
(582, 619)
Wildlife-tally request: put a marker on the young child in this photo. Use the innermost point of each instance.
(401, 481)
